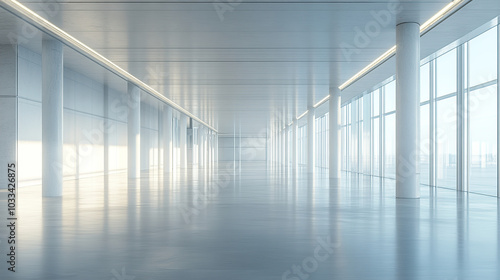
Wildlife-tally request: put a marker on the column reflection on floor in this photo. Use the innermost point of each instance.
(245, 221)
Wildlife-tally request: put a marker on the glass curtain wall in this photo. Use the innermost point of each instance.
(458, 120)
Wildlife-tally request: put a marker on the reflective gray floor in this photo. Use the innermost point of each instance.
(252, 223)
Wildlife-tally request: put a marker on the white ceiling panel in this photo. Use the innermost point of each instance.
(240, 69)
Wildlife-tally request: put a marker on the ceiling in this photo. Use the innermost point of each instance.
(241, 68)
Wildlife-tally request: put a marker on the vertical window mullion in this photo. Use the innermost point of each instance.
(498, 110)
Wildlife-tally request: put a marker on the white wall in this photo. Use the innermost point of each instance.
(84, 119)
(236, 148)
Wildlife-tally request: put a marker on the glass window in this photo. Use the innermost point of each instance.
(424, 82)
(354, 136)
(483, 140)
(425, 144)
(376, 146)
(376, 102)
(446, 142)
(390, 97)
(483, 58)
(390, 146)
(446, 73)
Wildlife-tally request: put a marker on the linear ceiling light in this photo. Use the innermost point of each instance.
(302, 115)
(426, 26)
(321, 101)
(33, 18)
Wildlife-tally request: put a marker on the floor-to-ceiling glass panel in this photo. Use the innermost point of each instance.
(425, 143)
(483, 140)
(376, 132)
(360, 135)
(348, 148)
(376, 146)
(390, 146)
(446, 142)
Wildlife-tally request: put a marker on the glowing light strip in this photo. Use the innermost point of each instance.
(303, 114)
(437, 17)
(321, 101)
(433, 21)
(388, 54)
(31, 17)
(290, 124)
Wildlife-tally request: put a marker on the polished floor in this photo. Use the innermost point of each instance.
(252, 223)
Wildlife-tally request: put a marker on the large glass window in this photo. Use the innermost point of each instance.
(446, 142)
(446, 119)
(376, 133)
(390, 130)
(446, 73)
(390, 146)
(483, 58)
(425, 144)
(483, 140)
(482, 113)
(425, 141)
(354, 136)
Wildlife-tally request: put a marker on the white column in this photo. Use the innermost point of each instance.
(334, 131)
(106, 129)
(207, 148)
(52, 118)
(167, 139)
(407, 109)
(134, 131)
(211, 147)
(8, 110)
(283, 147)
(182, 138)
(286, 147)
(310, 141)
(200, 146)
(216, 149)
(294, 146)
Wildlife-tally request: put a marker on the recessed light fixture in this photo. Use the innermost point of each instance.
(426, 26)
(33, 18)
